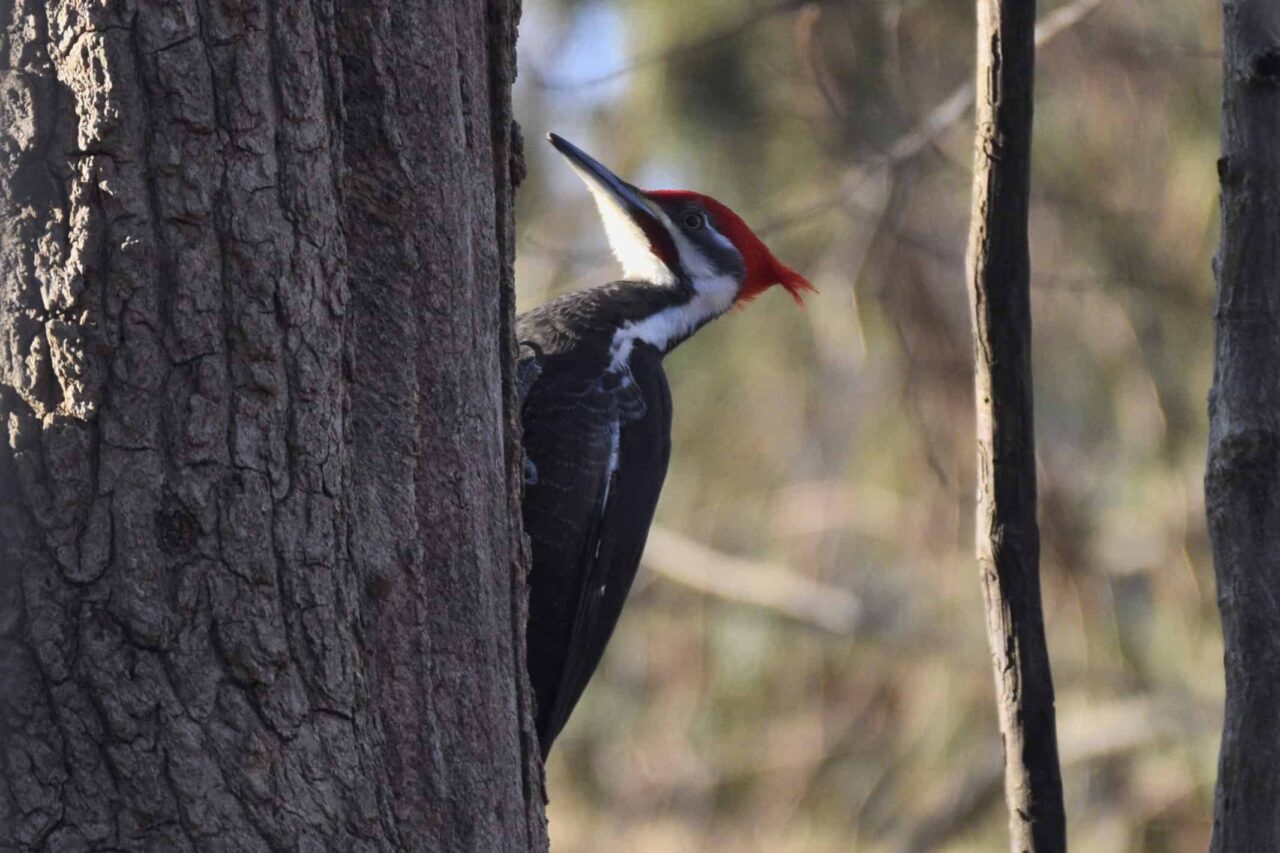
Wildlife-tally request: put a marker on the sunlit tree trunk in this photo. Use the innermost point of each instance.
(1008, 538)
(261, 581)
(1242, 482)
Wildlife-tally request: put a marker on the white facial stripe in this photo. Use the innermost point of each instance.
(628, 241)
(706, 279)
(696, 264)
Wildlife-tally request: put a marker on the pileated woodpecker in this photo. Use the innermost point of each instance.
(597, 411)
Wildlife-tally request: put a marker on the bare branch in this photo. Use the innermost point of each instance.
(1007, 537)
(674, 52)
(1091, 734)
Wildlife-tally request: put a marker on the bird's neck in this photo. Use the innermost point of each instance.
(671, 322)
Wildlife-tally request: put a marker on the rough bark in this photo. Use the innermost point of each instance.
(1242, 481)
(262, 578)
(1007, 537)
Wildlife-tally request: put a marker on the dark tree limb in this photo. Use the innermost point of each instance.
(1008, 540)
(1242, 480)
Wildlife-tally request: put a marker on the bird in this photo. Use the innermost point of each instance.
(596, 411)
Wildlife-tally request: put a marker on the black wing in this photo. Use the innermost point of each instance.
(600, 450)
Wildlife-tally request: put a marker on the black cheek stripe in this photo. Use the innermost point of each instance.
(660, 242)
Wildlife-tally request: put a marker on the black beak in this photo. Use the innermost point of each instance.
(606, 184)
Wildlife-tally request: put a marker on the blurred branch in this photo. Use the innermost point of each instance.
(757, 584)
(1062, 19)
(807, 27)
(669, 54)
(936, 122)
(1089, 735)
(942, 117)
(1130, 44)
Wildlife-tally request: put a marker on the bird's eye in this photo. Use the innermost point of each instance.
(693, 220)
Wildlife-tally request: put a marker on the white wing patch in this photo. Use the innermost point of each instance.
(615, 431)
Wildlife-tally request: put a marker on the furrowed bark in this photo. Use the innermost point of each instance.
(1242, 479)
(1008, 539)
(261, 578)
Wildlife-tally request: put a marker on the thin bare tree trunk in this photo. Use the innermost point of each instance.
(262, 579)
(1008, 539)
(1242, 481)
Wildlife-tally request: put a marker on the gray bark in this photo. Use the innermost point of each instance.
(1242, 480)
(1007, 536)
(262, 579)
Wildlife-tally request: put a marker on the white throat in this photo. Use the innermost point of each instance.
(713, 295)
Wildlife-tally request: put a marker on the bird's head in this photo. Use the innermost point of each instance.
(676, 236)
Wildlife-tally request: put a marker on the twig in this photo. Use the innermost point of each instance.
(764, 585)
(1062, 19)
(1007, 539)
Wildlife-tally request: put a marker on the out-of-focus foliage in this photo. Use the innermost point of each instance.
(837, 441)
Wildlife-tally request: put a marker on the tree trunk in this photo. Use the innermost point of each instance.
(262, 581)
(1007, 538)
(1242, 481)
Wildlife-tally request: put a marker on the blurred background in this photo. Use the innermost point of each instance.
(803, 664)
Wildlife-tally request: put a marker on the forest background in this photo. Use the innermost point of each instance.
(822, 673)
